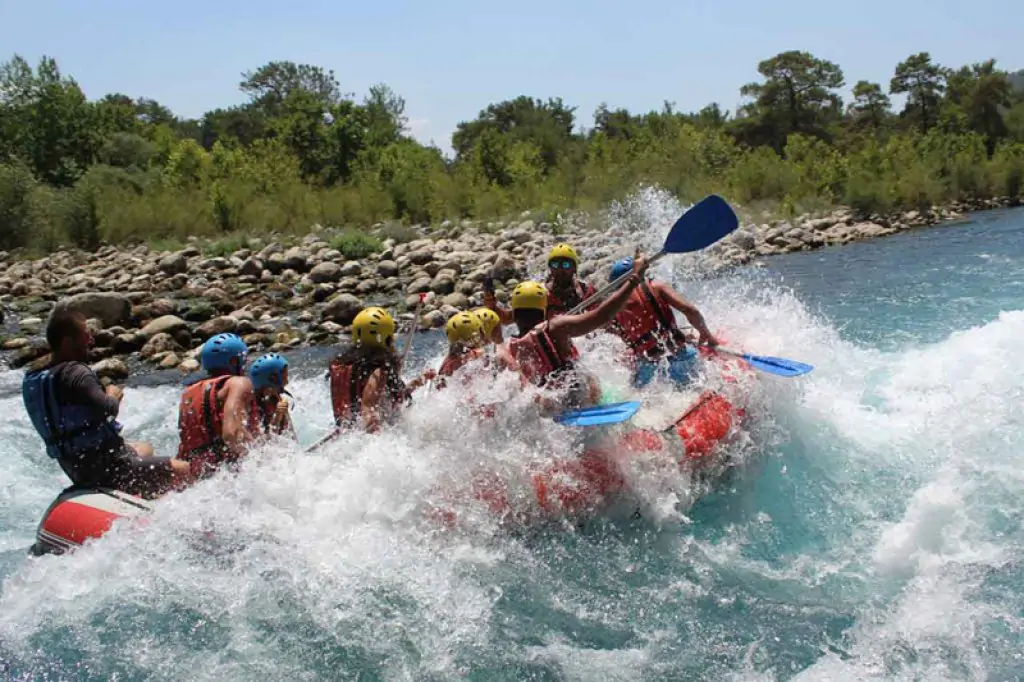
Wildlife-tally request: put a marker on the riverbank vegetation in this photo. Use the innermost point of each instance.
(300, 152)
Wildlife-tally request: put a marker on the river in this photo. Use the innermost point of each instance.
(871, 530)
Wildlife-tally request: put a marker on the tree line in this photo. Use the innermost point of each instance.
(301, 151)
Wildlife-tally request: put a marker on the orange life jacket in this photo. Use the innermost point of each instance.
(647, 325)
(200, 424)
(347, 388)
(453, 363)
(538, 356)
(559, 306)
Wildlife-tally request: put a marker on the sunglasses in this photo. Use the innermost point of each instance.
(563, 263)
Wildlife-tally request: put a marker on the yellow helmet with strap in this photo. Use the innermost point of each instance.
(529, 296)
(463, 328)
(564, 251)
(489, 319)
(373, 327)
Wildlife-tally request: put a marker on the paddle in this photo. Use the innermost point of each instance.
(766, 363)
(599, 415)
(704, 224)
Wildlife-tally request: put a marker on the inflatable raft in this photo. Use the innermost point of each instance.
(80, 514)
(583, 484)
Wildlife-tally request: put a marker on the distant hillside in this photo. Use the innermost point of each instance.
(1017, 80)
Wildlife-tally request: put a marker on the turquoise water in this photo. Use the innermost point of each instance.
(870, 530)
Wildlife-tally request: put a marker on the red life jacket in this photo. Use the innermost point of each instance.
(538, 356)
(200, 424)
(347, 388)
(558, 306)
(453, 363)
(647, 325)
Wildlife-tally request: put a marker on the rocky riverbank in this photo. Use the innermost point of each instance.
(157, 308)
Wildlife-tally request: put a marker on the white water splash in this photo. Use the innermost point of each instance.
(871, 530)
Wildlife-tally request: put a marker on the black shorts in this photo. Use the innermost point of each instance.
(122, 469)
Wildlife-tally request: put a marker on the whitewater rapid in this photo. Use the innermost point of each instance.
(870, 530)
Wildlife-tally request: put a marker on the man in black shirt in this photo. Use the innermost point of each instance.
(75, 417)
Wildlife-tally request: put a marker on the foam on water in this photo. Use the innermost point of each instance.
(870, 530)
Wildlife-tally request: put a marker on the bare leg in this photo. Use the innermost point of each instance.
(143, 449)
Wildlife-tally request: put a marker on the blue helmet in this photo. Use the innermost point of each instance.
(269, 371)
(621, 267)
(219, 350)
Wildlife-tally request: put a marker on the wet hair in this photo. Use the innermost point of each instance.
(63, 324)
(527, 317)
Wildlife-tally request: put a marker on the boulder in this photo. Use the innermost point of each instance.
(326, 272)
(252, 267)
(125, 343)
(418, 286)
(218, 325)
(352, 269)
(170, 361)
(165, 324)
(189, 365)
(456, 300)
(342, 309)
(444, 283)
(111, 368)
(296, 259)
(174, 264)
(505, 268)
(387, 268)
(159, 343)
(112, 309)
(433, 320)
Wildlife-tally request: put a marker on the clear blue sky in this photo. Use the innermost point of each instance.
(450, 58)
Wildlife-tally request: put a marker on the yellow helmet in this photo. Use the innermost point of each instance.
(529, 296)
(489, 319)
(463, 328)
(373, 327)
(564, 251)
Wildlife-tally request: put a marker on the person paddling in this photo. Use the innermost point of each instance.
(269, 376)
(217, 416)
(648, 326)
(76, 418)
(543, 350)
(465, 338)
(366, 386)
(564, 290)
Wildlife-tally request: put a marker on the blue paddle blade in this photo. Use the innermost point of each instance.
(708, 221)
(779, 366)
(599, 415)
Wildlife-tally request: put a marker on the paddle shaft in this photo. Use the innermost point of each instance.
(612, 286)
(412, 330)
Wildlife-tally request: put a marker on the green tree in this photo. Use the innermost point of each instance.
(870, 106)
(46, 120)
(270, 85)
(385, 116)
(923, 82)
(798, 96)
(548, 124)
(980, 93)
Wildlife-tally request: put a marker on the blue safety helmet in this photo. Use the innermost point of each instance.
(219, 350)
(269, 371)
(621, 267)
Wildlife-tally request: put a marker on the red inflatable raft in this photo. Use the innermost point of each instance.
(79, 514)
(583, 484)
